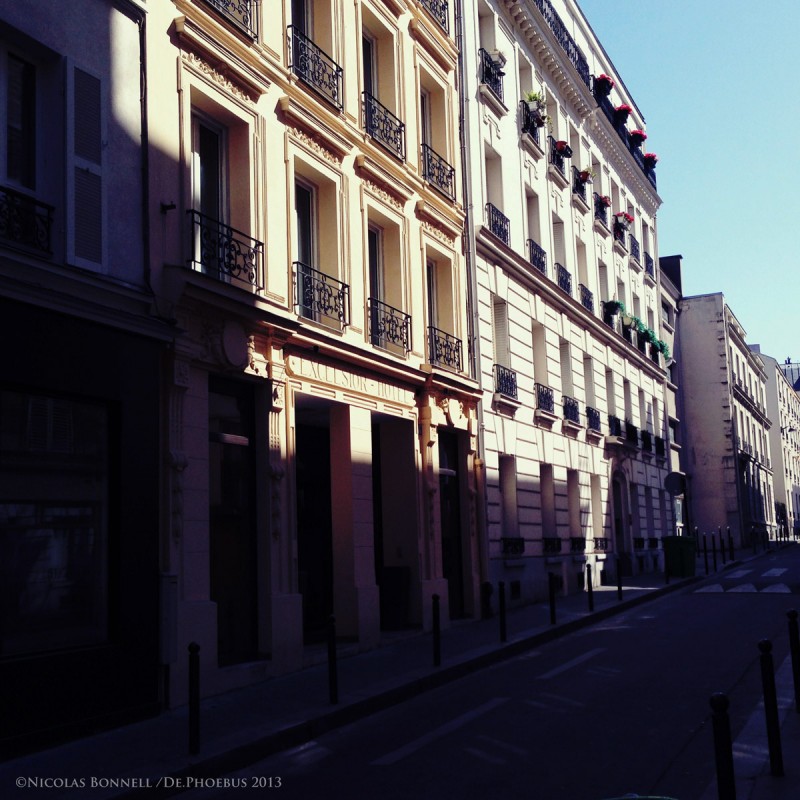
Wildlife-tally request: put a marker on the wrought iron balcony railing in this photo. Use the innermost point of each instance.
(563, 37)
(544, 398)
(564, 279)
(600, 209)
(438, 10)
(577, 544)
(578, 186)
(614, 425)
(498, 222)
(24, 221)
(512, 545)
(661, 447)
(537, 256)
(315, 67)
(445, 350)
(592, 419)
(634, 247)
(559, 155)
(627, 333)
(505, 381)
(601, 544)
(226, 253)
(642, 341)
(491, 73)
(649, 265)
(321, 297)
(389, 327)
(619, 232)
(239, 12)
(551, 544)
(647, 441)
(532, 121)
(572, 410)
(438, 172)
(587, 298)
(631, 433)
(383, 126)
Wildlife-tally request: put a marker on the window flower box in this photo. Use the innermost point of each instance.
(623, 219)
(603, 84)
(605, 201)
(586, 175)
(638, 137)
(650, 160)
(621, 112)
(563, 149)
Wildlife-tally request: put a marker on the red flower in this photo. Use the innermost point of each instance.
(624, 109)
(624, 215)
(652, 157)
(605, 79)
(639, 134)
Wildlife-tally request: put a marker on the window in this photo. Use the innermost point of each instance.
(21, 122)
(390, 326)
(54, 507)
(500, 331)
(508, 496)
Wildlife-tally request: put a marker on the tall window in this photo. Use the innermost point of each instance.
(305, 220)
(208, 142)
(21, 122)
(500, 331)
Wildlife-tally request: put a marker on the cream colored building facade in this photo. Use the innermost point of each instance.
(307, 240)
(575, 409)
(728, 460)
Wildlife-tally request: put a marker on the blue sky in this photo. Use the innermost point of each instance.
(719, 87)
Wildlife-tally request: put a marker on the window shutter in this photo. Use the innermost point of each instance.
(500, 325)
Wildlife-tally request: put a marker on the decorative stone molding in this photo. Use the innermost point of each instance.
(313, 144)
(201, 66)
(384, 195)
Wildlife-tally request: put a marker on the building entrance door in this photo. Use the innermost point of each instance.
(620, 521)
(450, 512)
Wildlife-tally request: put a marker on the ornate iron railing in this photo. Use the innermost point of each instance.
(652, 543)
(558, 156)
(627, 333)
(532, 121)
(578, 186)
(639, 543)
(634, 247)
(600, 209)
(315, 67)
(619, 231)
(592, 419)
(223, 251)
(512, 545)
(383, 126)
(631, 433)
(551, 544)
(25, 221)
(445, 349)
(498, 222)
(577, 544)
(537, 256)
(642, 341)
(647, 441)
(491, 73)
(321, 297)
(438, 172)
(572, 410)
(564, 278)
(649, 265)
(505, 381)
(389, 326)
(601, 544)
(239, 12)
(614, 425)
(438, 10)
(563, 37)
(661, 447)
(587, 298)
(544, 398)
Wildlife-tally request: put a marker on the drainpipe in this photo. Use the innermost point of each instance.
(473, 340)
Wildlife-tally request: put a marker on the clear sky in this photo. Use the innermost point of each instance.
(719, 87)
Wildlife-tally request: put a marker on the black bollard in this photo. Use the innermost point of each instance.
(589, 587)
(714, 549)
(705, 551)
(771, 708)
(437, 633)
(194, 699)
(502, 602)
(723, 747)
(753, 539)
(696, 540)
(551, 589)
(730, 543)
(333, 670)
(721, 545)
(619, 582)
(794, 647)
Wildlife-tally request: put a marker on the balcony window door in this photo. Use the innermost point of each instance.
(425, 117)
(21, 122)
(433, 303)
(305, 208)
(301, 17)
(208, 167)
(370, 66)
(376, 282)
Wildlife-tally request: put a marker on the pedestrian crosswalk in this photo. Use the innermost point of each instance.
(748, 581)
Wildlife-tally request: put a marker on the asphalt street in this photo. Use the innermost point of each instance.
(621, 706)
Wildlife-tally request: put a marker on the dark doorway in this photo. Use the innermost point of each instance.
(314, 530)
(233, 548)
(623, 557)
(450, 509)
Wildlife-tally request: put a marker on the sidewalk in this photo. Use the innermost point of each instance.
(244, 726)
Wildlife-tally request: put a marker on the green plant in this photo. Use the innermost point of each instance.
(534, 97)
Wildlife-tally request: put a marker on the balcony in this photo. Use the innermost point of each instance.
(578, 185)
(577, 544)
(647, 442)
(389, 327)
(445, 350)
(438, 10)
(614, 426)
(559, 152)
(593, 419)
(631, 433)
(238, 12)
(551, 544)
(649, 266)
(564, 279)
(512, 545)
(661, 447)
(315, 67)
(587, 298)
(572, 410)
(25, 222)
(498, 223)
(224, 252)
(491, 73)
(532, 121)
(601, 544)
(620, 232)
(537, 256)
(544, 398)
(636, 252)
(565, 40)
(601, 209)
(383, 126)
(505, 381)
(438, 172)
(321, 297)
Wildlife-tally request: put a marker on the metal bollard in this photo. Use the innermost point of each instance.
(771, 708)
(730, 543)
(589, 587)
(619, 582)
(194, 699)
(753, 539)
(794, 647)
(437, 633)
(721, 545)
(696, 539)
(333, 669)
(502, 602)
(551, 589)
(714, 548)
(705, 551)
(723, 747)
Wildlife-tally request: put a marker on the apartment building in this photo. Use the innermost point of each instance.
(783, 409)
(727, 460)
(80, 383)
(570, 353)
(320, 414)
